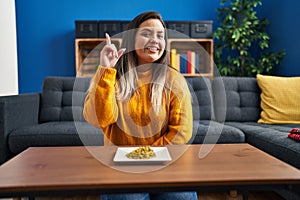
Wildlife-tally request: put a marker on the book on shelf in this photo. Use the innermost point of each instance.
(186, 62)
(174, 59)
(193, 62)
(197, 70)
(183, 63)
(189, 61)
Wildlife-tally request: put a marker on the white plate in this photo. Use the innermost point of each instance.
(162, 155)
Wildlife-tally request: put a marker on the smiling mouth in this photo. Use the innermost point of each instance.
(152, 49)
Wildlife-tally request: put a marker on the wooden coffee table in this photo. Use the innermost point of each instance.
(40, 171)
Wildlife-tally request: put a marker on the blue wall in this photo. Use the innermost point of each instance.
(46, 30)
(284, 31)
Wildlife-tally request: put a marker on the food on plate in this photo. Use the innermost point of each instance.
(144, 152)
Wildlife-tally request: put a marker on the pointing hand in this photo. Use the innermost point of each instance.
(109, 55)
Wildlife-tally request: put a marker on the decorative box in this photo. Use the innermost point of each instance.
(86, 29)
(178, 29)
(110, 27)
(201, 29)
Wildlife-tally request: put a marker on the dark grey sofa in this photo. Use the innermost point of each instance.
(243, 111)
(225, 110)
(50, 118)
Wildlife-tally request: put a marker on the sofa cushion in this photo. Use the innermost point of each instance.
(280, 99)
(64, 133)
(211, 132)
(271, 139)
(62, 98)
(236, 99)
(202, 102)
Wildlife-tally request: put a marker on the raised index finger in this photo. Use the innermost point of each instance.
(108, 42)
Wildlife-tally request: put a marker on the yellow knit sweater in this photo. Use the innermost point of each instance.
(133, 121)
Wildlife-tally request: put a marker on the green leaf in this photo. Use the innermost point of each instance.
(240, 29)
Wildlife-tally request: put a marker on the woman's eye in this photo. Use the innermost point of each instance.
(160, 36)
(146, 34)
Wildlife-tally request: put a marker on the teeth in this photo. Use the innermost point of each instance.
(152, 48)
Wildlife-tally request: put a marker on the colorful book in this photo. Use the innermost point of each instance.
(189, 61)
(197, 60)
(174, 59)
(193, 62)
(178, 62)
(183, 63)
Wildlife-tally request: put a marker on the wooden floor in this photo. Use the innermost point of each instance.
(258, 195)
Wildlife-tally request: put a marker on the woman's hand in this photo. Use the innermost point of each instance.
(109, 55)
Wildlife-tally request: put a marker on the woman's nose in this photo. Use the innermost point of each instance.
(154, 39)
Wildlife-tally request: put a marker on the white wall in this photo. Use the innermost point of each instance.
(8, 49)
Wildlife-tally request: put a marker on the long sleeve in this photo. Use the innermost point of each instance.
(100, 107)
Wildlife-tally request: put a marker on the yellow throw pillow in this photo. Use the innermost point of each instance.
(280, 99)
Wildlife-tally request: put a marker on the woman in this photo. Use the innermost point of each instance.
(136, 98)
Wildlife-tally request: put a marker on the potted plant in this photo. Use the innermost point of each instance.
(240, 34)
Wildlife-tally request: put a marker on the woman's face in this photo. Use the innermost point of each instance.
(150, 41)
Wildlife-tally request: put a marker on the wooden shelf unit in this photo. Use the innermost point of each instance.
(202, 46)
(87, 52)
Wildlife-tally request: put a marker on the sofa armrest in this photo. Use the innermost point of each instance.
(16, 111)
